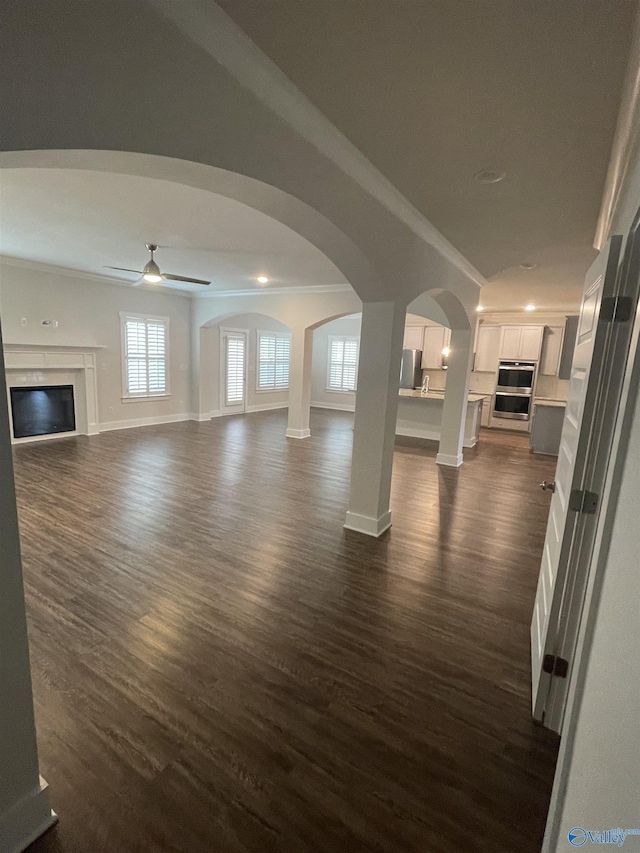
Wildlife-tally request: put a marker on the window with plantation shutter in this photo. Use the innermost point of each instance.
(274, 353)
(342, 369)
(234, 369)
(145, 343)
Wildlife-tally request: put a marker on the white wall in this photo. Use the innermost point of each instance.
(210, 364)
(295, 310)
(88, 314)
(320, 396)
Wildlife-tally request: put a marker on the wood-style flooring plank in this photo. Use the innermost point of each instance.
(219, 666)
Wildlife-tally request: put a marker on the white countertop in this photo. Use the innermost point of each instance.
(439, 395)
(543, 401)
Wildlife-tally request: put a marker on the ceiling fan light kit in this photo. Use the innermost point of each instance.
(151, 272)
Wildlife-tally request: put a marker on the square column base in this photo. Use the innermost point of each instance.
(29, 818)
(451, 461)
(298, 433)
(369, 526)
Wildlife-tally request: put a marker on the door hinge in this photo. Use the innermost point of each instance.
(555, 666)
(580, 500)
(616, 309)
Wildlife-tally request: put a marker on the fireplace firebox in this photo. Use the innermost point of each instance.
(42, 410)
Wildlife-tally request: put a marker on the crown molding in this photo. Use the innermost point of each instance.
(22, 263)
(266, 291)
(38, 266)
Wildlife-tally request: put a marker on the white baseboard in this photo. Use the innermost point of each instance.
(266, 407)
(339, 407)
(367, 525)
(139, 422)
(26, 820)
(298, 433)
(451, 461)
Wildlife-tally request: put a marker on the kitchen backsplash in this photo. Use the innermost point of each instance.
(551, 386)
(485, 383)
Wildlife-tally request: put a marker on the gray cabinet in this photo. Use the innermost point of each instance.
(551, 349)
(568, 346)
(546, 427)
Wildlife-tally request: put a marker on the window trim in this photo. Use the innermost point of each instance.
(330, 340)
(264, 332)
(127, 397)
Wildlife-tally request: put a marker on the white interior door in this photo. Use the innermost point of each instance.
(560, 546)
(234, 371)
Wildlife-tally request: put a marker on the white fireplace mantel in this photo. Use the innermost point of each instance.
(33, 364)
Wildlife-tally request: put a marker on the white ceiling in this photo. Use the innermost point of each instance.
(87, 221)
(433, 91)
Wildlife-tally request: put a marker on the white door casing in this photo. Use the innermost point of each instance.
(560, 547)
(233, 361)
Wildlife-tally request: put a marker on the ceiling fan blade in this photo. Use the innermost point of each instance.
(124, 269)
(170, 277)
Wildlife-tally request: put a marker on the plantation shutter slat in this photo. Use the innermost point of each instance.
(146, 356)
(274, 353)
(343, 364)
(235, 370)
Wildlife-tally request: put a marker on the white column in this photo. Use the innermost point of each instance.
(24, 803)
(300, 383)
(375, 420)
(454, 410)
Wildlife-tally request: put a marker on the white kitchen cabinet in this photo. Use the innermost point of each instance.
(436, 338)
(413, 337)
(487, 349)
(521, 343)
(531, 342)
(510, 342)
(551, 350)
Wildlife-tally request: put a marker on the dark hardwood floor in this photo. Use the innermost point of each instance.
(219, 666)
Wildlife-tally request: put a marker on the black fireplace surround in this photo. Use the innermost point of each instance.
(42, 410)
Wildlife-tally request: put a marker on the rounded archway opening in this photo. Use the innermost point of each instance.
(118, 192)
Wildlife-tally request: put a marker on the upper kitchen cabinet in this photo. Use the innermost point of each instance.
(551, 349)
(521, 343)
(436, 338)
(487, 349)
(413, 337)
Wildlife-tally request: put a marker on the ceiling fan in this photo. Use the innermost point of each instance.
(151, 272)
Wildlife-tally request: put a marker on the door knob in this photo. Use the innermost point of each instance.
(547, 487)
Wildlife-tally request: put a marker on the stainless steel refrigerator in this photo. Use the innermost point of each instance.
(411, 370)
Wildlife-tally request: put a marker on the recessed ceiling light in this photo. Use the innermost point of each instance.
(527, 265)
(529, 307)
(480, 308)
(263, 279)
(490, 176)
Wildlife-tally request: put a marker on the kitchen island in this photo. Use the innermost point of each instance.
(421, 417)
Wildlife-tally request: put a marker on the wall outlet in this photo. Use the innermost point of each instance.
(24, 321)
(110, 410)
